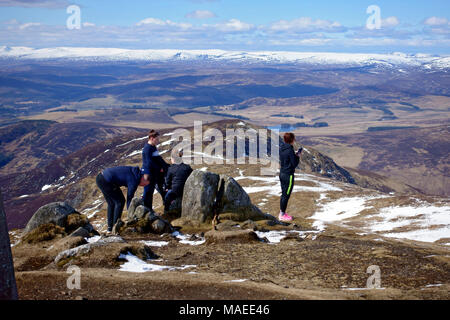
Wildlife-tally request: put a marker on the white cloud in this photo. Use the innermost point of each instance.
(28, 25)
(436, 21)
(50, 4)
(390, 22)
(88, 24)
(306, 24)
(233, 25)
(200, 14)
(154, 22)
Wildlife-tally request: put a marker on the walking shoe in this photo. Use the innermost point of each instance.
(284, 217)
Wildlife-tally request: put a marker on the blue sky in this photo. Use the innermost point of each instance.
(292, 25)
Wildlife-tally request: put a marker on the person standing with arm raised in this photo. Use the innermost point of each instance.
(289, 160)
(154, 168)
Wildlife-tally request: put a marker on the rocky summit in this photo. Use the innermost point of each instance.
(222, 239)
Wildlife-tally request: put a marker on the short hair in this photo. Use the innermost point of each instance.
(289, 137)
(153, 134)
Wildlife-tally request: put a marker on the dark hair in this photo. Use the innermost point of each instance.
(289, 137)
(153, 134)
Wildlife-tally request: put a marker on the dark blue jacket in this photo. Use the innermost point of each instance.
(152, 162)
(288, 159)
(129, 177)
(176, 177)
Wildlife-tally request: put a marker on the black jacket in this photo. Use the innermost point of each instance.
(177, 176)
(129, 177)
(288, 159)
(152, 162)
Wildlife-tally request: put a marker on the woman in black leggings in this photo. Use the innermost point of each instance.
(289, 160)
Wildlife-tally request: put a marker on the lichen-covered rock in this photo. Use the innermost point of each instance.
(80, 232)
(86, 248)
(55, 213)
(137, 210)
(159, 227)
(199, 195)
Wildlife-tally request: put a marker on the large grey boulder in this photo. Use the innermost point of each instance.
(236, 201)
(55, 213)
(199, 195)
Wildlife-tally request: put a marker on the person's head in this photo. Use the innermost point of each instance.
(177, 157)
(144, 181)
(153, 137)
(289, 138)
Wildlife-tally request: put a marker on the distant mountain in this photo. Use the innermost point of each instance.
(277, 57)
(30, 144)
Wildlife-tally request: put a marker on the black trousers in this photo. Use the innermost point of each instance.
(287, 184)
(170, 196)
(115, 199)
(156, 180)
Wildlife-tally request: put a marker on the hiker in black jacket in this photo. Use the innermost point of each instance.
(154, 168)
(176, 178)
(289, 160)
(110, 180)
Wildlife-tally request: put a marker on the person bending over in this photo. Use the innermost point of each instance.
(289, 160)
(176, 178)
(109, 182)
(154, 168)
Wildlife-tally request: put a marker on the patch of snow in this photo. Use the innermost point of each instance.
(429, 223)
(237, 280)
(272, 185)
(136, 265)
(166, 143)
(137, 139)
(242, 124)
(275, 236)
(184, 238)
(154, 243)
(134, 153)
(357, 289)
(339, 210)
(107, 150)
(25, 196)
(93, 239)
(433, 285)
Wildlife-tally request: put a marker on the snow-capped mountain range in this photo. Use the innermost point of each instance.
(322, 58)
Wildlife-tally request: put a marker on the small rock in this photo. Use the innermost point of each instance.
(80, 232)
(238, 236)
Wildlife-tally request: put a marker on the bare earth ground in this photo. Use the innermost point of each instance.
(319, 269)
(328, 265)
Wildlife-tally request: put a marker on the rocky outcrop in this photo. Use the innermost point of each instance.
(199, 195)
(141, 220)
(237, 202)
(55, 213)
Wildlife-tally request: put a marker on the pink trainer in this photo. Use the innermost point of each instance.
(284, 217)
